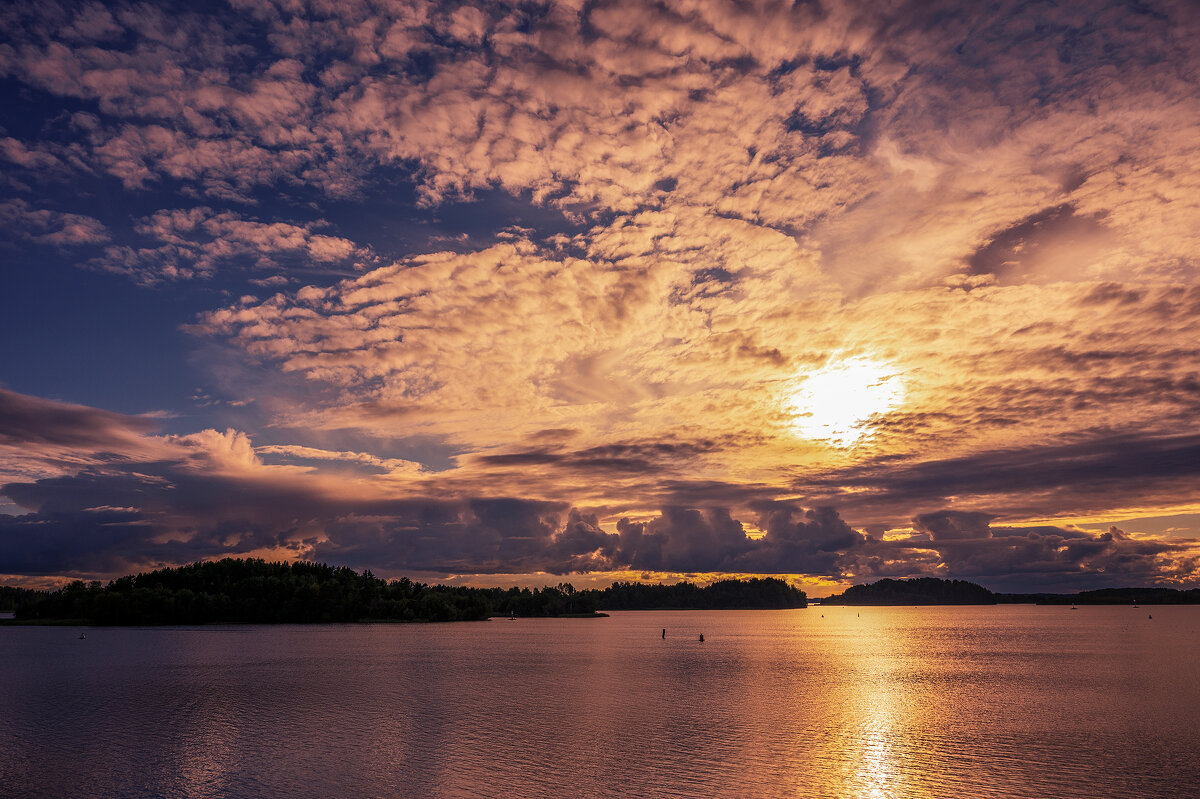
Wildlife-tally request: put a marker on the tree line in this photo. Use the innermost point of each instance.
(236, 590)
(1111, 596)
(761, 593)
(12, 597)
(255, 591)
(918, 591)
(935, 591)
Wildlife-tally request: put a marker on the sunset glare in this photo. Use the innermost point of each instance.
(837, 402)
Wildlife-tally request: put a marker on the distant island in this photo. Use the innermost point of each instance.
(1110, 596)
(918, 591)
(259, 592)
(759, 593)
(934, 591)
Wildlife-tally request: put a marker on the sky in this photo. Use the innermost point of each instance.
(515, 293)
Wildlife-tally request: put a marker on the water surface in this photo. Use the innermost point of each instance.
(1009, 701)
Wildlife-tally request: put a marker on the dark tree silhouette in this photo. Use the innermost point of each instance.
(918, 591)
(252, 590)
(255, 591)
(12, 598)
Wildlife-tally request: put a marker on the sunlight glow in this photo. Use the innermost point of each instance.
(837, 403)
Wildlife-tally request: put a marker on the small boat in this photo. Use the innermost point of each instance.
(1073, 606)
(82, 636)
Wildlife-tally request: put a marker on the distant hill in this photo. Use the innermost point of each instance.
(1110, 596)
(932, 591)
(917, 591)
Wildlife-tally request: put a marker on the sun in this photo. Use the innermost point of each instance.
(837, 403)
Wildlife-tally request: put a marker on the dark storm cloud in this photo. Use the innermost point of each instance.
(480, 535)
(129, 517)
(26, 420)
(1043, 557)
(131, 514)
(1033, 479)
(92, 542)
(803, 541)
(641, 456)
(150, 513)
(711, 493)
(684, 539)
(521, 458)
(200, 514)
(124, 518)
(948, 524)
(797, 541)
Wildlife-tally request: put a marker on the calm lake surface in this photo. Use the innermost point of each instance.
(1010, 701)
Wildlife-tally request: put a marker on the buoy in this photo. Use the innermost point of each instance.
(701, 637)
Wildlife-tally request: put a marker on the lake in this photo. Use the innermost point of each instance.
(1007, 701)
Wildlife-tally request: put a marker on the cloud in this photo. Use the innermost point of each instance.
(33, 158)
(55, 543)
(188, 509)
(435, 340)
(1045, 557)
(55, 228)
(1083, 478)
(29, 424)
(996, 203)
(795, 541)
(144, 500)
(196, 242)
(949, 525)
(42, 439)
(386, 465)
(898, 142)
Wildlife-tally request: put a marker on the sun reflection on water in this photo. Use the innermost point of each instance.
(876, 775)
(874, 713)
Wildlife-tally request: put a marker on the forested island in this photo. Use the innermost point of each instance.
(934, 591)
(760, 593)
(917, 591)
(256, 591)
